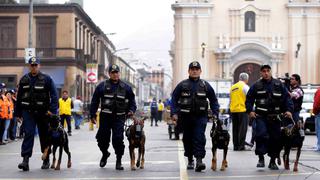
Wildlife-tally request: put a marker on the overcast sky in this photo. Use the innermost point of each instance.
(144, 26)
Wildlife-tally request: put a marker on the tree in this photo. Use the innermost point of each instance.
(8, 2)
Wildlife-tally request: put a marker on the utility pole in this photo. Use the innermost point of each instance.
(30, 23)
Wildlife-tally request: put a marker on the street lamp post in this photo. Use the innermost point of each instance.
(114, 52)
(30, 23)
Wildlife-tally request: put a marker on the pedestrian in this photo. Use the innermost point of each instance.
(271, 99)
(36, 100)
(154, 111)
(316, 111)
(65, 106)
(117, 102)
(77, 112)
(160, 110)
(296, 94)
(190, 107)
(239, 115)
(13, 123)
(9, 116)
(4, 106)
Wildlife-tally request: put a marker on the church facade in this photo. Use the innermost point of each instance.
(234, 36)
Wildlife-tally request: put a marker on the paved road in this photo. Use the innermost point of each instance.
(164, 160)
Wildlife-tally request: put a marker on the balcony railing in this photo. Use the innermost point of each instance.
(13, 53)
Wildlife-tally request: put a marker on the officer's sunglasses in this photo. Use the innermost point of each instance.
(34, 65)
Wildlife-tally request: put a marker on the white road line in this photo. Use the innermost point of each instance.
(253, 176)
(182, 162)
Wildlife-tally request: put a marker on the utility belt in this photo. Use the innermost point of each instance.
(109, 112)
(271, 116)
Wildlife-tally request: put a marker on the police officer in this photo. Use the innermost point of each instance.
(296, 94)
(36, 99)
(189, 103)
(271, 99)
(117, 101)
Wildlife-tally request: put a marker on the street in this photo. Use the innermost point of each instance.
(164, 160)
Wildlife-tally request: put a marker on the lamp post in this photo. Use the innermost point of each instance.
(203, 46)
(30, 23)
(115, 56)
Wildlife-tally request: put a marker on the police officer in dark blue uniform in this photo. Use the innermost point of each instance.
(37, 98)
(271, 99)
(117, 101)
(190, 105)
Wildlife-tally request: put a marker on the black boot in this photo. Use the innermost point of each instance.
(45, 164)
(200, 165)
(118, 164)
(261, 162)
(190, 163)
(272, 164)
(104, 158)
(25, 164)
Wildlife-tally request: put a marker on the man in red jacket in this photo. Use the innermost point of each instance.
(316, 111)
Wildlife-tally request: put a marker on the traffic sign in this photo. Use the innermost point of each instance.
(29, 52)
(92, 73)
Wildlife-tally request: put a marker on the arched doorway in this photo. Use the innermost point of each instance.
(251, 68)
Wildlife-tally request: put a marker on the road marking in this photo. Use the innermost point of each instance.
(182, 162)
(253, 176)
(171, 177)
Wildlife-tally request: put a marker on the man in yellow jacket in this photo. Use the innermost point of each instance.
(65, 106)
(239, 116)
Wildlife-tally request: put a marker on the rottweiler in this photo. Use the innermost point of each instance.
(58, 137)
(292, 136)
(220, 140)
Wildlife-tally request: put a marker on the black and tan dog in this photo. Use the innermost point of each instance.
(292, 136)
(220, 140)
(57, 138)
(137, 139)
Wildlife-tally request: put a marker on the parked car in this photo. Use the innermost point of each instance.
(306, 114)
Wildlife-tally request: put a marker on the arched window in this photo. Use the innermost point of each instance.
(250, 21)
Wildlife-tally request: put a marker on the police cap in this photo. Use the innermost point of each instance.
(34, 60)
(113, 68)
(263, 66)
(195, 64)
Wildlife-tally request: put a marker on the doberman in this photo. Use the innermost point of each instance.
(292, 136)
(220, 140)
(137, 139)
(58, 137)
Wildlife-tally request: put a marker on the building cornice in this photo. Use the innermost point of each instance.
(191, 5)
(303, 5)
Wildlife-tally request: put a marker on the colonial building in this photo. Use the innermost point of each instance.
(234, 36)
(65, 39)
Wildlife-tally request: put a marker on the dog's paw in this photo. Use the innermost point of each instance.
(57, 168)
(138, 164)
(69, 164)
(52, 166)
(141, 167)
(133, 168)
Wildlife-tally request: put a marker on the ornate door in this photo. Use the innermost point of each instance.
(251, 68)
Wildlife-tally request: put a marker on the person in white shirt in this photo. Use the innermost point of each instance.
(77, 112)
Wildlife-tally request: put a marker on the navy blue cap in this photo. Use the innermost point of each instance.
(2, 85)
(113, 68)
(265, 66)
(34, 60)
(194, 64)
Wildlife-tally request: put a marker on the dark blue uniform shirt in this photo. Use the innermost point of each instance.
(99, 93)
(251, 96)
(214, 105)
(49, 84)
